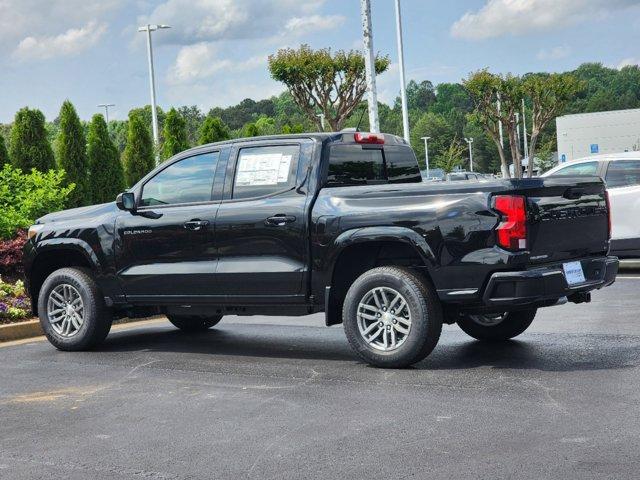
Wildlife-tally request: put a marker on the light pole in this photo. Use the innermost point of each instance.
(403, 86)
(152, 80)
(524, 130)
(370, 66)
(426, 153)
(106, 109)
(470, 142)
(321, 117)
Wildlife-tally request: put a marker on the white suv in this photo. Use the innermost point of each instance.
(621, 172)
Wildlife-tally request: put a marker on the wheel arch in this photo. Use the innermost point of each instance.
(52, 256)
(359, 250)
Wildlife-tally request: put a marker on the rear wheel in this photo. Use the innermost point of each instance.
(497, 327)
(392, 317)
(194, 323)
(72, 311)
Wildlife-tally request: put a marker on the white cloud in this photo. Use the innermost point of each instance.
(23, 18)
(71, 42)
(195, 21)
(555, 53)
(313, 23)
(627, 62)
(201, 61)
(519, 17)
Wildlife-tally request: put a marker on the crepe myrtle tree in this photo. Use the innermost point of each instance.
(486, 89)
(323, 82)
(549, 95)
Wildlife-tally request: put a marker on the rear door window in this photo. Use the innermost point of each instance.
(623, 173)
(262, 171)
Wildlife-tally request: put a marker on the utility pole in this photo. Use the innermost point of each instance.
(470, 142)
(152, 83)
(106, 109)
(370, 66)
(518, 129)
(403, 85)
(524, 130)
(503, 168)
(426, 153)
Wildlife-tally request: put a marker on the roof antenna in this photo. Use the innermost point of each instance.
(360, 121)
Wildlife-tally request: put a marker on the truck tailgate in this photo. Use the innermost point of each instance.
(567, 217)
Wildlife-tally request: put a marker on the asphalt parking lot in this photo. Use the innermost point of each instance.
(285, 398)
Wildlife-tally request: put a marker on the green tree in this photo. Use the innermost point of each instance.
(435, 126)
(105, 170)
(71, 153)
(549, 95)
(322, 82)
(175, 134)
(420, 96)
(4, 154)
(451, 157)
(138, 154)
(28, 144)
(250, 130)
(213, 129)
(193, 118)
(266, 126)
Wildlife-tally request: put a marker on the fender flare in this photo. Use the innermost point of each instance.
(384, 234)
(74, 244)
(365, 235)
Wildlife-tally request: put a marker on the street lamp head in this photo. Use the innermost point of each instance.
(468, 140)
(152, 28)
(425, 138)
(103, 105)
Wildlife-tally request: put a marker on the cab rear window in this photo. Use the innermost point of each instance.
(362, 165)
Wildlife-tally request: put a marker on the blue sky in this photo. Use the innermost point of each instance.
(90, 52)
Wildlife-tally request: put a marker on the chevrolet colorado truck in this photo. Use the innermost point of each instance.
(339, 223)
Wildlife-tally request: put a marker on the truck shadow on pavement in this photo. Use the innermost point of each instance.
(456, 351)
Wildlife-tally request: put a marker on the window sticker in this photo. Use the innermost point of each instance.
(263, 169)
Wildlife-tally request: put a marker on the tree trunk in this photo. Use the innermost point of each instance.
(532, 151)
(515, 149)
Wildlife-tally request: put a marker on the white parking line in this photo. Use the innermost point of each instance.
(628, 276)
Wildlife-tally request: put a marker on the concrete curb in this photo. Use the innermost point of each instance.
(18, 331)
(32, 328)
(632, 264)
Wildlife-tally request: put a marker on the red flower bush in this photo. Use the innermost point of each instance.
(11, 254)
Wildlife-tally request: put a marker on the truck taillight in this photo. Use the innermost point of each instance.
(370, 138)
(608, 203)
(511, 232)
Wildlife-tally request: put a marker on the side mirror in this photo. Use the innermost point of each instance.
(126, 201)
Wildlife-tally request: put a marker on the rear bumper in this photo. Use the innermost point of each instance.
(539, 286)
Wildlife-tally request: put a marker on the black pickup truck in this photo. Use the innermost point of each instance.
(339, 223)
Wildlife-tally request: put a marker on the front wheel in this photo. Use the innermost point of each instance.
(194, 323)
(72, 311)
(497, 327)
(392, 317)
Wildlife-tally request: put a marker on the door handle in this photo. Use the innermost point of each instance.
(195, 224)
(280, 220)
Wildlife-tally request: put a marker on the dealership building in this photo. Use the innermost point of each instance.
(586, 134)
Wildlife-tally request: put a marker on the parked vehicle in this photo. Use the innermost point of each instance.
(339, 223)
(621, 172)
(460, 176)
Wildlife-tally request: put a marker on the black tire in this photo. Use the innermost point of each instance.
(511, 325)
(194, 323)
(424, 309)
(96, 317)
